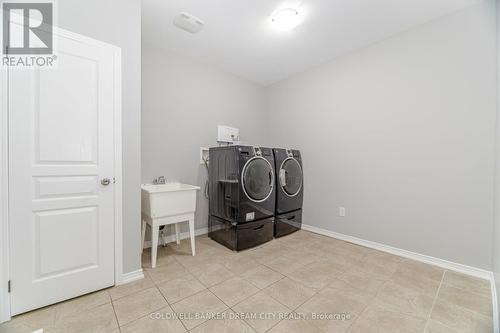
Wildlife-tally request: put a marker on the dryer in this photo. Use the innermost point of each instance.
(242, 195)
(289, 191)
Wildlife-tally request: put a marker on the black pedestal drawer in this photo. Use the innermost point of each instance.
(240, 236)
(287, 223)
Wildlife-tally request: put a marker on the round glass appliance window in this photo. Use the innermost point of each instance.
(258, 179)
(291, 176)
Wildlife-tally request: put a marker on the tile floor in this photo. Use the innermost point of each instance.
(300, 283)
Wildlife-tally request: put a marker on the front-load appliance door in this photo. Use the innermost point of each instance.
(290, 182)
(257, 183)
(290, 177)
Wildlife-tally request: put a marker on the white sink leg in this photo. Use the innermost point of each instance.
(191, 234)
(177, 233)
(143, 235)
(154, 243)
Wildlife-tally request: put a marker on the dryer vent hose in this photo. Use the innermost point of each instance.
(205, 160)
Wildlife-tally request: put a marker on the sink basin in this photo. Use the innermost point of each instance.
(164, 200)
(168, 187)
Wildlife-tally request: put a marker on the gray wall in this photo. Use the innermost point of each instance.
(118, 22)
(402, 134)
(183, 101)
(496, 231)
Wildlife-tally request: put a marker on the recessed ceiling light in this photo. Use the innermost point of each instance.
(286, 19)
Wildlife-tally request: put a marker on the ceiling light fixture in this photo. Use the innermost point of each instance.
(188, 22)
(286, 19)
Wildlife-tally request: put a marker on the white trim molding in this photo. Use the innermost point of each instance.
(182, 235)
(118, 178)
(4, 198)
(494, 299)
(131, 276)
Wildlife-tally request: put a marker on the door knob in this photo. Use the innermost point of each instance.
(105, 181)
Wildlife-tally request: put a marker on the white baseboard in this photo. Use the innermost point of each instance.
(494, 299)
(132, 276)
(449, 265)
(182, 235)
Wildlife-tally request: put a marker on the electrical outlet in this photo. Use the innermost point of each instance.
(342, 211)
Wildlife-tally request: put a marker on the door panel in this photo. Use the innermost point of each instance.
(51, 259)
(61, 144)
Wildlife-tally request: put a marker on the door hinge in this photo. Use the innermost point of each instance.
(8, 286)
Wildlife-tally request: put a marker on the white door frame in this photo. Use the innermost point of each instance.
(4, 172)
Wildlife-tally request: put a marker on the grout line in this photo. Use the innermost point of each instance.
(434, 302)
(116, 316)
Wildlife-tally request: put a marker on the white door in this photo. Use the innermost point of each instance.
(61, 147)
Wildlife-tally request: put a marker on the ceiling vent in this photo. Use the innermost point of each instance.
(188, 22)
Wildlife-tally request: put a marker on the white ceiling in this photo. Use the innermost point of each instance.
(237, 36)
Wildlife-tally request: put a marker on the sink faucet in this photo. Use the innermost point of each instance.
(159, 180)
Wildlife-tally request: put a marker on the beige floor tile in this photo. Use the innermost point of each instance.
(380, 263)
(354, 250)
(267, 311)
(471, 301)
(379, 292)
(316, 275)
(234, 290)
(284, 264)
(176, 289)
(130, 288)
(379, 319)
(419, 269)
(82, 303)
(162, 320)
(323, 247)
(268, 253)
(468, 283)
(262, 276)
(436, 327)
(228, 323)
(195, 310)
(198, 262)
(298, 325)
(132, 307)
(211, 274)
(347, 260)
(290, 293)
(96, 320)
(404, 300)
(164, 256)
(304, 257)
(166, 272)
(416, 282)
(341, 308)
(239, 265)
(30, 321)
(363, 280)
(460, 319)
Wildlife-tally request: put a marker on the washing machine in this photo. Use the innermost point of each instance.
(242, 195)
(289, 191)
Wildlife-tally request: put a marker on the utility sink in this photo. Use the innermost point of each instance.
(165, 204)
(168, 199)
